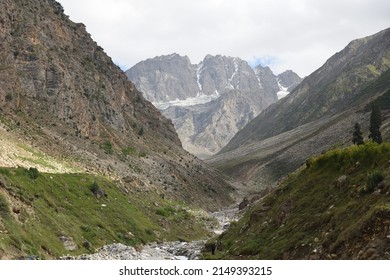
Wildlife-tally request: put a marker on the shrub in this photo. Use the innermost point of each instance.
(128, 151)
(33, 173)
(4, 210)
(141, 131)
(142, 154)
(107, 147)
(94, 187)
(8, 97)
(373, 179)
(165, 211)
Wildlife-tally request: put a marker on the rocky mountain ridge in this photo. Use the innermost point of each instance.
(210, 101)
(66, 108)
(317, 115)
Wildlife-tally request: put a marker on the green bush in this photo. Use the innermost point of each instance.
(128, 151)
(142, 154)
(107, 147)
(165, 211)
(141, 131)
(33, 173)
(4, 210)
(373, 179)
(94, 187)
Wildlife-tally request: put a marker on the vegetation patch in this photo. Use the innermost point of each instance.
(50, 208)
(107, 147)
(332, 208)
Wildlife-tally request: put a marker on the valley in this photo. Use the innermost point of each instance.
(171, 160)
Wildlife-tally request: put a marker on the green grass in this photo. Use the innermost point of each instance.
(129, 151)
(51, 205)
(107, 147)
(311, 208)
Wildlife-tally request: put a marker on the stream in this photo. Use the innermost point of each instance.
(161, 251)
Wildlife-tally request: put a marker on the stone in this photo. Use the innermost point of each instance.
(244, 203)
(376, 193)
(342, 181)
(68, 243)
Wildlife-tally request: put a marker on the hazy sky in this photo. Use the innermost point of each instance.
(284, 34)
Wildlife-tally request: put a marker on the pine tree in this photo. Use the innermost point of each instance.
(375, 124)
(357, 137)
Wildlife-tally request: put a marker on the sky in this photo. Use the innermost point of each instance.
(284, 34)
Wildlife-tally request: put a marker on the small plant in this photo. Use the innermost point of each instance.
(97, 191)
(141, 131)
(128, 151)
(165, 211)
(8, 97)
(107, 147)
(4, 210)
(142, 154)
(94, 187)
(373, 179)
(33, 173)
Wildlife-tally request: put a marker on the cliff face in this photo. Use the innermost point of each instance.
(62, 94)
(207, 102)
(52, 63)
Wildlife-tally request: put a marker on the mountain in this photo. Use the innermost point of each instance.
(84, 156)
(287, 81)
(336, 207)
(317, 115)
(219, 92)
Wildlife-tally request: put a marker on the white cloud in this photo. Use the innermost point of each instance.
(299, 34)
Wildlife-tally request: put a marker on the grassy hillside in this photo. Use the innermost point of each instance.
(42, 214)
(336, 207)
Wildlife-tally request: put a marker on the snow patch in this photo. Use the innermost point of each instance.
(257, 74)
(199, 99)
(198, 73)
(283, 91)
(234, 74)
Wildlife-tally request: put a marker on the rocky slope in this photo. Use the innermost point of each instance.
(208, 102)
(318, 114)
(69, 108)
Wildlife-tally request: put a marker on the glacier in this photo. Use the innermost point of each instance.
(283, 91)
(199, 99)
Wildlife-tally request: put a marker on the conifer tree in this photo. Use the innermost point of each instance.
(375, 124)
(357, 137)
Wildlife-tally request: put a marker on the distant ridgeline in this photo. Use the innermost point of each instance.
(210, 101)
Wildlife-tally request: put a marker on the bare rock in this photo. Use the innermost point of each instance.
(342, 181)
